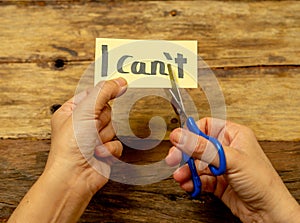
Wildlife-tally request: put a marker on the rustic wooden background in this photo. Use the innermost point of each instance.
(253, 47)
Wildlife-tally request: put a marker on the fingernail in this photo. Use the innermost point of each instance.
(121, 81)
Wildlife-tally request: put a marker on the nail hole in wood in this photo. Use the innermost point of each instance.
(172, 197)
(54, 107)
(173, 12)
(174, 120)
(59, 64)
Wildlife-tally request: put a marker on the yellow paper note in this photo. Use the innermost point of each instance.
(143, 63)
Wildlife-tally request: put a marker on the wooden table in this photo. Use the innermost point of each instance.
(252, 47)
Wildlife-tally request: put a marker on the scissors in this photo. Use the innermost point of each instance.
(192, 126)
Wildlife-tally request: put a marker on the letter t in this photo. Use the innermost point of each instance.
(180, 60)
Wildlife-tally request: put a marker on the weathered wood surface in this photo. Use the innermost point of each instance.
(250, 34)
(46, 46)
(229, 33)
(22, 161)
(266, 99)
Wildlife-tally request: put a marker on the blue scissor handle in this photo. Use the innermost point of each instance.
(196, 179)
(222, 164)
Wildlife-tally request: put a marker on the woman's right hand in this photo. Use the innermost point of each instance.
(251, 187)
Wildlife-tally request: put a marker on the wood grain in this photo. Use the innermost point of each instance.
(251, 34)
(264, 98)
(229, 33)
(22, 161)
(46, 46)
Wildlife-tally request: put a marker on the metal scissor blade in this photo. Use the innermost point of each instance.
(176, 96)
(174, 102)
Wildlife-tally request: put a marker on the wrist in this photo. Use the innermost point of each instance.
(61, 194)
(287, 210)
(284, 209)
(65, 181)
(64, 189)
(79, 179)
(66, 197)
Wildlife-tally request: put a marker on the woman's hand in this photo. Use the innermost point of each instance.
(82, 132)
(79, 160)
(251, 187)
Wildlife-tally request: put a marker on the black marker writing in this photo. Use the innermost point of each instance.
(104, 61)
(139, 67)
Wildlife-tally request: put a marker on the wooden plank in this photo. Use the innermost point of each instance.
(265, 99)
(56, 2)
(22, 161)
(229, 33)
(63, 2)
(46, 45)
(27, 93)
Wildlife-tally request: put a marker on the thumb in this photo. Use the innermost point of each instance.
(97, 98)
(105, 91)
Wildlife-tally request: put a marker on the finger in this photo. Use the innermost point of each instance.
(183, 173)
(98, 97)
(220, 186)
(71, 104)
(224, 131)
(107, 133)
(228, 132)
(174, 157)
(187, 185)
(112, 148)
(195, 146)
(105, 91)
(104, 118)
(209, 184)
(212, 126)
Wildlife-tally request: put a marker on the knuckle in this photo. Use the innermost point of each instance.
(248, 131)
(200, 145)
